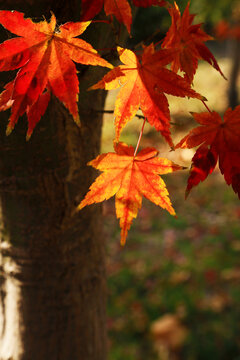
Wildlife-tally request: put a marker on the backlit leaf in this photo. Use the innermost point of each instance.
(130, 178)
(219, 140)
(44, 55)
(188, 40)
(144, 81)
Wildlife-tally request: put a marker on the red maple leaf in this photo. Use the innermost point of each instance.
(203, 164)
(219, 140)
(224, 30)
(188, 40)
(44, 55)
(130, 177)
(5, 96)
(119, 8)
(145, 80)
(147, 3)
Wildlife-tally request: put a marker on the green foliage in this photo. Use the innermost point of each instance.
(211, 12)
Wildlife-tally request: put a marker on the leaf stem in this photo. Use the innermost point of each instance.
(101, 21)
(206, 106)
(140, 136)
(106, 49)
(148, 39)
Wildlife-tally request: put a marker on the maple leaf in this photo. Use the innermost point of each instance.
(44, 55)
(219, 140)
(145, 81)
(5, 96)
(119, 8)
(203, 164)
(188, 40)
(130, 177)
(229, 164)
(34, 112)
(147, 3)
(224, 30)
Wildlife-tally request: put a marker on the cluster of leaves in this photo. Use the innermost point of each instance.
(44, 54)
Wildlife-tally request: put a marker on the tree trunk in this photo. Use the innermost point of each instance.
(52, 300)
(233, 79)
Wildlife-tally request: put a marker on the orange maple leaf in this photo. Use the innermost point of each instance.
(119, 8)
(44, 54)
(219, 140)
(188, 40)
(145, 80)
(130, 177)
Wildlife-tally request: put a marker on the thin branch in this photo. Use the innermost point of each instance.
(139, 139)
(138, 116)
(204, 103)
(148, 39)
(101, 21)
(112, 111)
(104, 111)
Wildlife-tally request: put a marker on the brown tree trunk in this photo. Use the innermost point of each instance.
(233, 79)
(52, 299)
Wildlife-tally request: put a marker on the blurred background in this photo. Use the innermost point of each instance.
(174, 289)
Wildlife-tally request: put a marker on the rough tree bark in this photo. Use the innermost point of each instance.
(52, 299)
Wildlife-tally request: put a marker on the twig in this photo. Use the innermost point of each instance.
(112, 111)
(138, 116)
(206, 106)
(139, 139)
